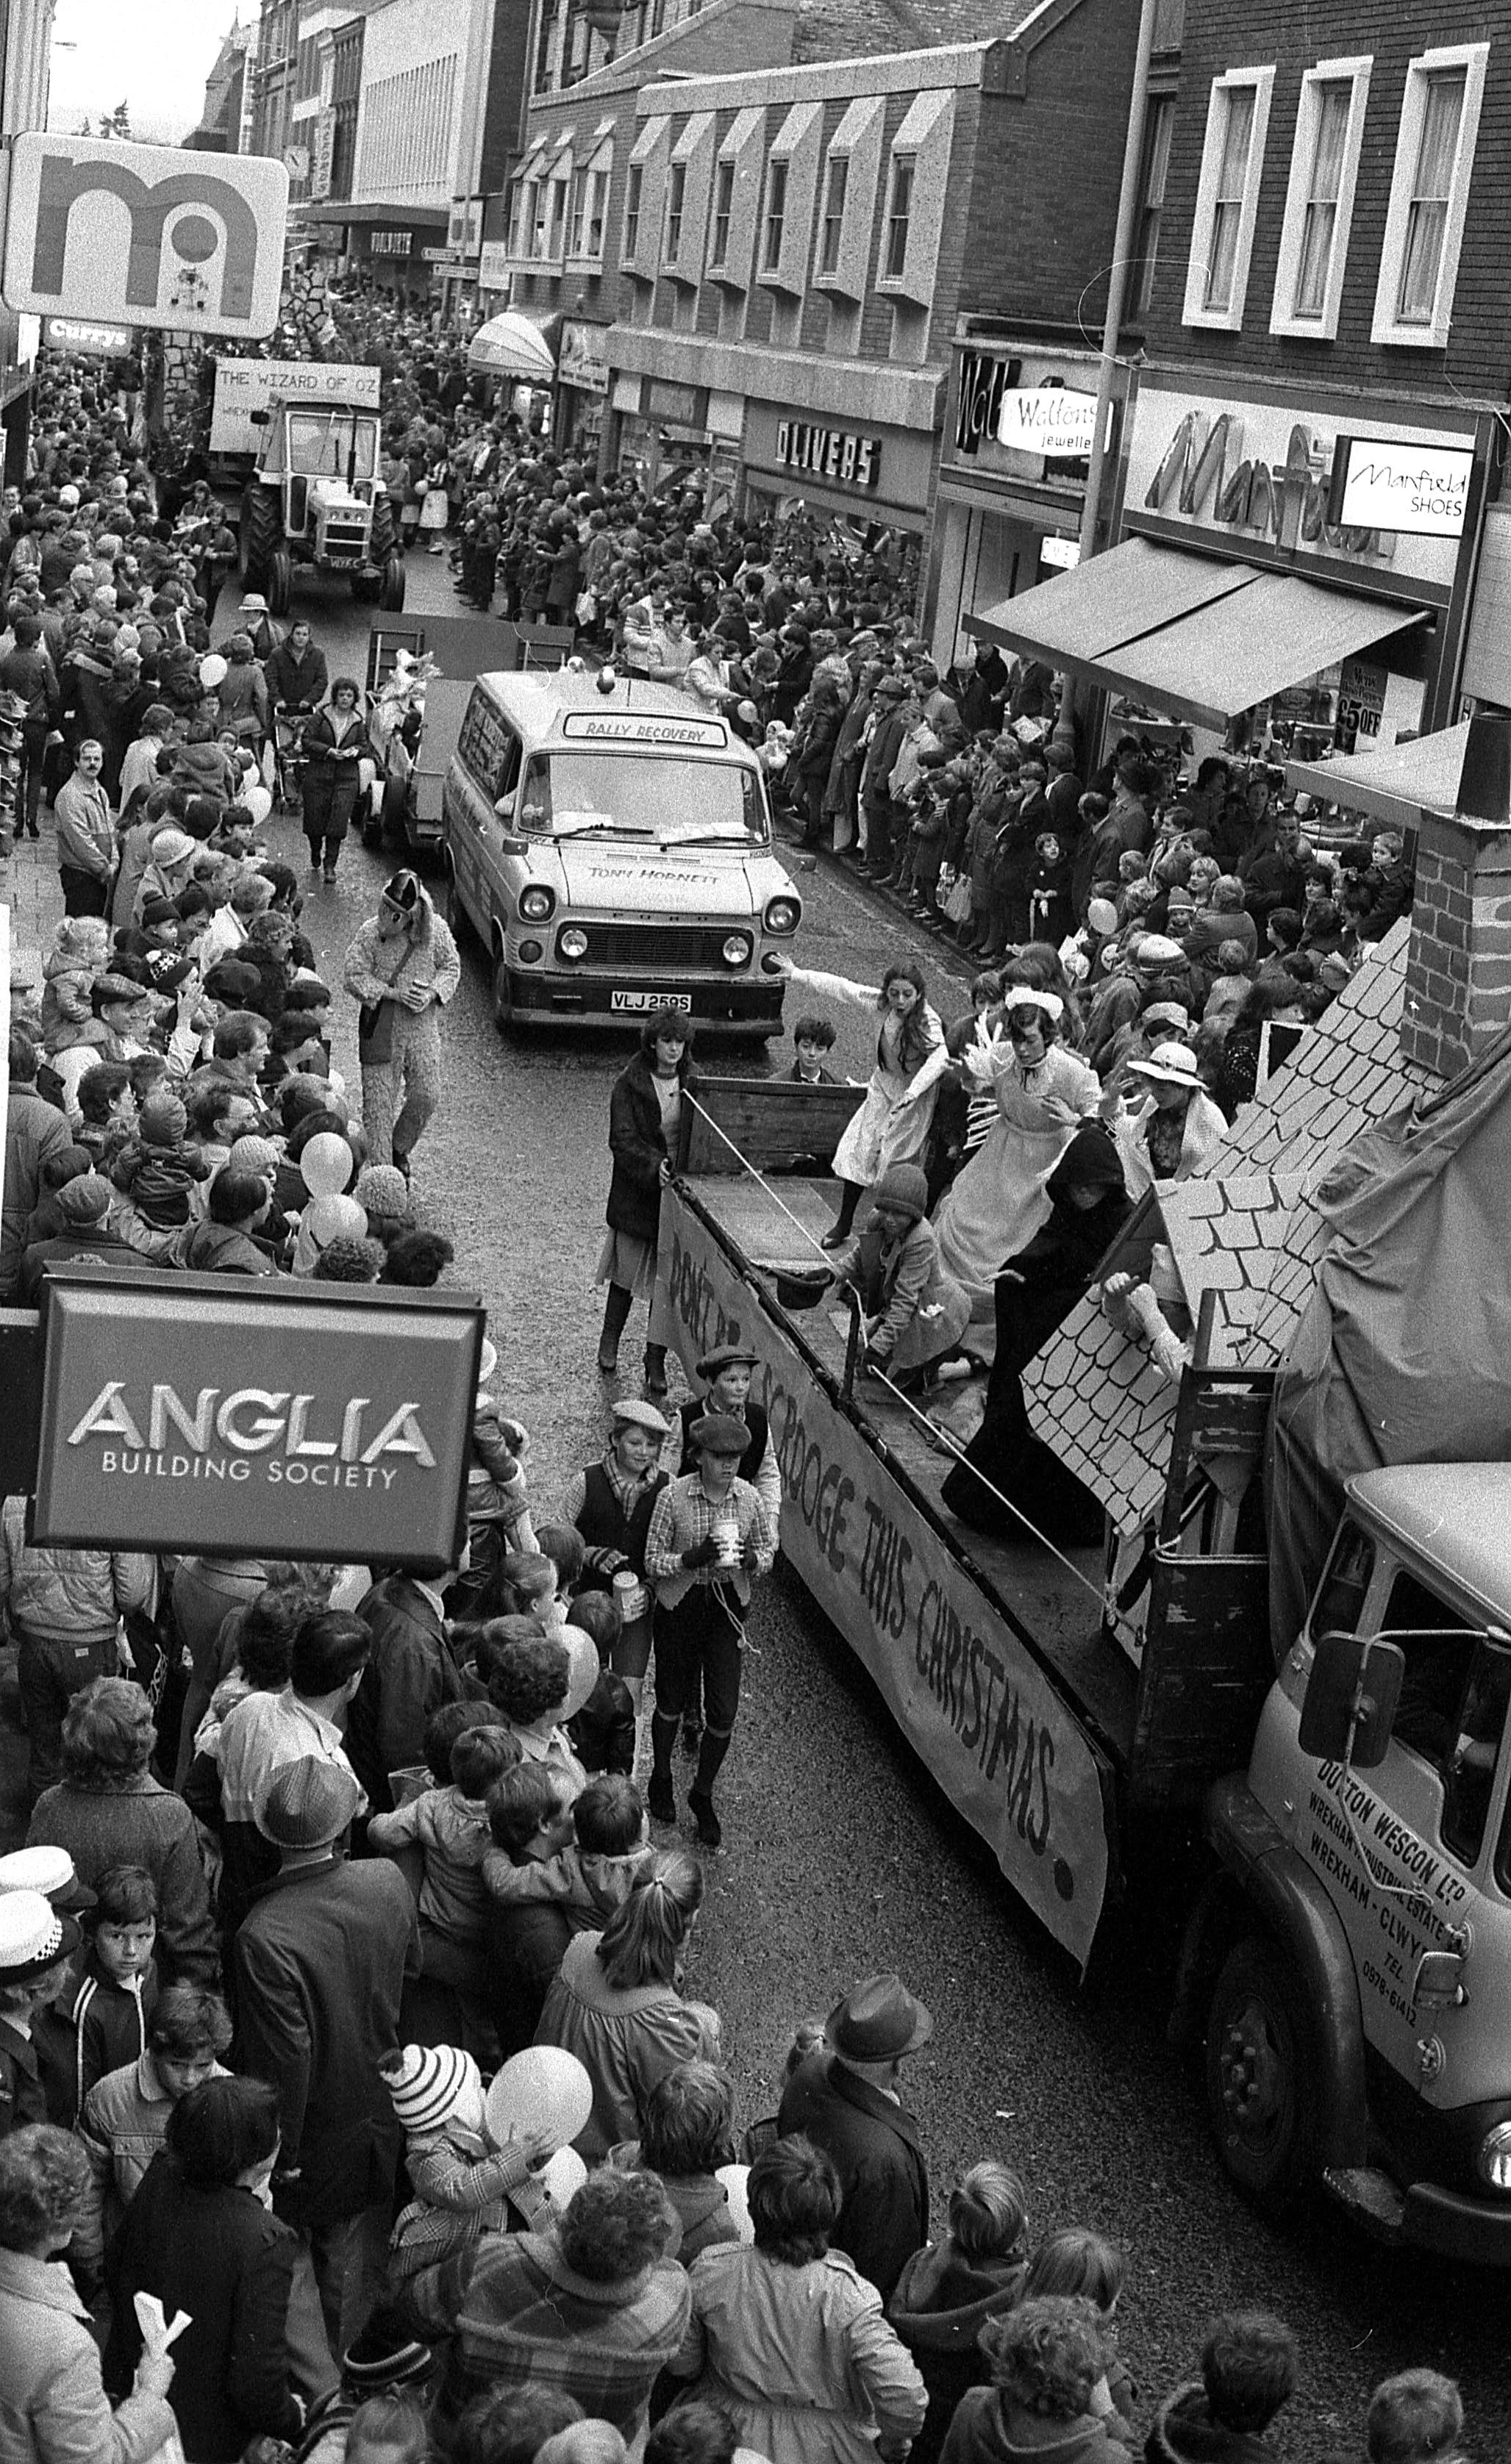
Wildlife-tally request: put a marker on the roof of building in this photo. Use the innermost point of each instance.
(844, 30)
(802, 33)
(1246, 1225)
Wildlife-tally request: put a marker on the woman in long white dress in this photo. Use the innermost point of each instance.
(892, 1125)
(1000, 1201)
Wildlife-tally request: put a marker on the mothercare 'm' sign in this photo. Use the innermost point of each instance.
(955, 1677)
(270, 1422)
(145, 235)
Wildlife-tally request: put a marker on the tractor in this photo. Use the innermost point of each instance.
(316, 497)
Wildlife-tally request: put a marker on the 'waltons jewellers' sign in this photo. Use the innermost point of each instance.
(272, 1422)
(145, 235)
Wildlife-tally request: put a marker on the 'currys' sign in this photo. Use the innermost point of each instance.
(145, 235)
(285, 1420)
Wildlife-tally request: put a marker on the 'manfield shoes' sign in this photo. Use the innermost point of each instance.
(145, 235)
(273, 1421)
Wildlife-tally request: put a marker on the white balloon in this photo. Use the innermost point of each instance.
(545, 2088)
(584, 1673)
(325, 1165)
(736, 2179)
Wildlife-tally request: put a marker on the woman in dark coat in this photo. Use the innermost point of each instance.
(1036, 1292)
(199, 2235)
(812, 753)
(335, 742)
(645, 1119)
(794, 674)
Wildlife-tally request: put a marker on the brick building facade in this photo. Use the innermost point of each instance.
(797, 245)
(1335, 229)
(551, 241)
(400, 120)
(1309, 471)
(677, 118)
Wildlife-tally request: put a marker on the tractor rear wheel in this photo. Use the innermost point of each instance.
(259, 535)
(281, 581)
(383, 538)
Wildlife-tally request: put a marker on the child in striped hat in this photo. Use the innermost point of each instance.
(463, 2185)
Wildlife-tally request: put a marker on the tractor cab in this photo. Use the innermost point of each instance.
(333, 462)
(316, 497)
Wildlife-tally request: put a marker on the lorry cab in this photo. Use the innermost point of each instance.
(611, 846)
(1382, 1865)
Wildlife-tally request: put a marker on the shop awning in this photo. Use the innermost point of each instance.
(511, 346)
(1395, 784)
(1184, 634)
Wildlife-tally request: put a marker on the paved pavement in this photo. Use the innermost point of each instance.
(840, 1856)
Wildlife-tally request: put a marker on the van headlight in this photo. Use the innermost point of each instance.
(573, 943)
(737, 950)
(536, 903)
(1493, 2158)
(782, 914)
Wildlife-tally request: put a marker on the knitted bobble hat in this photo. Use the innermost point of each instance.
(427, 2083)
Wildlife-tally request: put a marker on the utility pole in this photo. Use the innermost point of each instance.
(1066, 726)
(1128, 198)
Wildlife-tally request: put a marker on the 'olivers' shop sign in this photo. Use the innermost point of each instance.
(273, 1425)
(829, 454)
(954, 1674)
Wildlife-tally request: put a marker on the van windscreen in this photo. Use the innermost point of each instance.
(642, 796)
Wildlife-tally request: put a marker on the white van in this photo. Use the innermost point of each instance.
(610, 845)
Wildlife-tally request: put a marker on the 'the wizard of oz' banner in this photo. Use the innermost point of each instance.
(970, 1699)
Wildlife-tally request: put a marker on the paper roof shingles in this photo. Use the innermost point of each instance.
(1226, 1233)
(1247, 1225)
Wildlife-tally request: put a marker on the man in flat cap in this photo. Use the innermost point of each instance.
(610, 1504)
(711, 1531)
(725, 1376)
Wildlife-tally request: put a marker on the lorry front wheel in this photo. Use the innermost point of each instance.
(1259, 2065)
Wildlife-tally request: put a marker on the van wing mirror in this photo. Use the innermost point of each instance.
(1352, 1696)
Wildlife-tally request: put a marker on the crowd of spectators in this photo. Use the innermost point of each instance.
(345, 2006)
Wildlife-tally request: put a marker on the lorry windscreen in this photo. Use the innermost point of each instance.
(642, 796)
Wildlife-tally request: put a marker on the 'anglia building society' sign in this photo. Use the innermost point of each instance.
(275, 1423)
